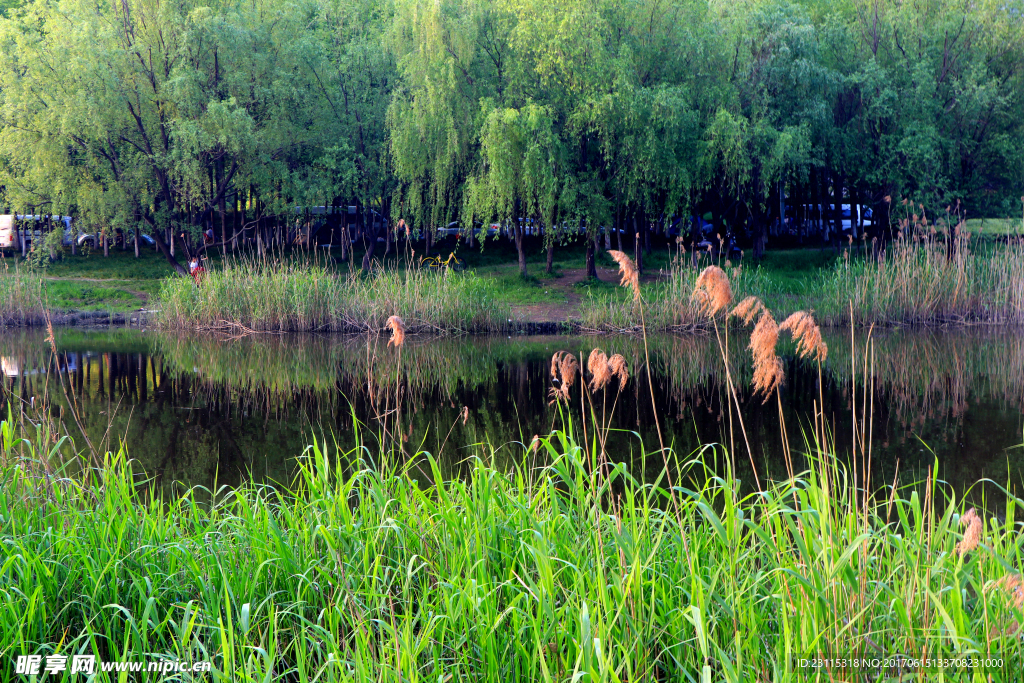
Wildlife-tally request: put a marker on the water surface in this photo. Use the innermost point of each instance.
(200, 410)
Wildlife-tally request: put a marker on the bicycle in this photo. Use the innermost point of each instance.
(437, 263)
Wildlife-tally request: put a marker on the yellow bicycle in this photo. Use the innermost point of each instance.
(437, 263)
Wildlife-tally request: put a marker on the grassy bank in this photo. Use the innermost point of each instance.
(559, 572)
(27, 297)
(21, 296)
(913, 282)
(314, 298)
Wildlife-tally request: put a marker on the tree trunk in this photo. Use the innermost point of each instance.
(106, 242)
(223, 228)
(165, 250)
(618, 228)
(517, 231)
(645, 231)
(138, 239)
(837, 198)
(370, 242)
(638, 251)
(591, 260)
(551, 257)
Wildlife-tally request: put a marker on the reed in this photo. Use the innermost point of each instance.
(668, 302)
(925, 278)
(251, 296)
(21, 296)
(559, 571)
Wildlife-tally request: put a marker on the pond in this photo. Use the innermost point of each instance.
(215, 410)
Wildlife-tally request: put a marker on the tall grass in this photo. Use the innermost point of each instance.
(566, 571)
(923, 281)
(913, 281)
(669, 304)
(21, 296)
(251, 296)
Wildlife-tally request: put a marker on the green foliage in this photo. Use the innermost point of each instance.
(568, 570)
(148, 115)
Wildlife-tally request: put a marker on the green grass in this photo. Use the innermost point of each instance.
(996, 226)
(89, 296)
(895, 292)
(569, 570)
(120, 265)
(295, 297)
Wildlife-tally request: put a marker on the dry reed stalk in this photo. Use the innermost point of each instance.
(807, 334)
(713, 294)
(972, 535)
(712, 291)
(397, 327)
(628, 271)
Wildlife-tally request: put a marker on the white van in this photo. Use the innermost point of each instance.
(7, 232)
(8, 235)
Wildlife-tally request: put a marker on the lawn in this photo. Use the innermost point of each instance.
(995, 226)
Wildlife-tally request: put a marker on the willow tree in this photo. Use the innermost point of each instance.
(432, 122)
(163, 105)
(518, 177)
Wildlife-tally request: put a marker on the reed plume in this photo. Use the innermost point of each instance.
(604, 369)
(712, 292)
(748, 309)
(397, 327)
(564, 368)
(768, 372)
(627, 269)
(618, 367)
(806, 333)
(1011, 584)
(972, 535)
(600, 370)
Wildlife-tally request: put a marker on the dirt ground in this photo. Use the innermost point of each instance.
(566, 285)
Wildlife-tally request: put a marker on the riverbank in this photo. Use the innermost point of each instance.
(559, 568)
(920, 283)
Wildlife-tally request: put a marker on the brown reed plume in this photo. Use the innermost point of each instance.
(618, 367)
(748, 309)
(806, 334)
(1013, 585)
(768, 372)
(712, 291)
(397, 327)
(599, 369)
(564, 368)
(603, 370)
(972, 535)
(627, 269)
